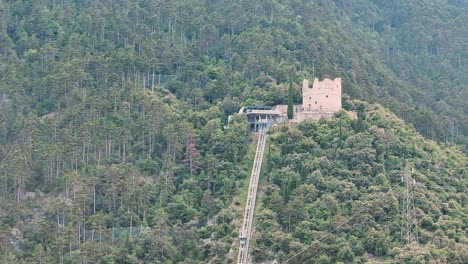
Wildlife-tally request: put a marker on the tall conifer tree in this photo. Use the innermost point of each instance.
(290, 99)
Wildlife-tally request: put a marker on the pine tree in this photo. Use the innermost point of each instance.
(191, 154)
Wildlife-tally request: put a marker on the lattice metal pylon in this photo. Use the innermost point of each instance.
(409, 230)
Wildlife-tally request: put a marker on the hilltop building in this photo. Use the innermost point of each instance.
(323, 99)
(324, 96)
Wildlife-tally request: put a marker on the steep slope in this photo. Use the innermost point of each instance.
(139, 183)
(336, 193)
(112, 111)
(409, 56)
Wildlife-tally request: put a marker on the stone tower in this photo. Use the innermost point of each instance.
(324, 96)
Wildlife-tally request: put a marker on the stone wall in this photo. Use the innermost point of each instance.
(301, 116)
(324, 96)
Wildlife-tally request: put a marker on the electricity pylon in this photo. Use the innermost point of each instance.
(409, 230)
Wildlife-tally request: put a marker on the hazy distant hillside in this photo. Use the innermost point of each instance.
(112, 113)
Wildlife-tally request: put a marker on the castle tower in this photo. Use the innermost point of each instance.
(324, 96)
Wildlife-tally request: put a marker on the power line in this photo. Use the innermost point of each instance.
(339, 226)
(356, 226)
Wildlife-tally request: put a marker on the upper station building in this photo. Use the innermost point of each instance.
(323, 99)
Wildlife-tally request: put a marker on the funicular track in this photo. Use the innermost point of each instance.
(246, 228)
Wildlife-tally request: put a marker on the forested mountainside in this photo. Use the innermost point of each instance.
(334, 192)
(410, 56)
(112, 145)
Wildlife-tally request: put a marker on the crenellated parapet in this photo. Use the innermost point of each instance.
(324, 96)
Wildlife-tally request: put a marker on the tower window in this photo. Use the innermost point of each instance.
(326, 96)
(315, 102)
(310, 97)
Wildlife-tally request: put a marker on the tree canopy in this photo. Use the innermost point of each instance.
(112, 140)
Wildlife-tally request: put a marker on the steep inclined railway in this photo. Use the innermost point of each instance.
(246, 228)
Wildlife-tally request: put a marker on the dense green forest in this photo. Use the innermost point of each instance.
(341, 182)
(113, 147)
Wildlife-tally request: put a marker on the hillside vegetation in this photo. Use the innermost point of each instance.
(409, 56)
(336, 187)
(112, 145)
